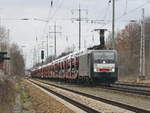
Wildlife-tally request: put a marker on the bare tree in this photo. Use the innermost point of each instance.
(128, 45)
(3, 48)
(147, 45)
(17, 60)
(3, 39)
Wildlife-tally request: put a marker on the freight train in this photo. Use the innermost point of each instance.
(82, 66)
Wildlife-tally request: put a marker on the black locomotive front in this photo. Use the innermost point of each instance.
(104, 66)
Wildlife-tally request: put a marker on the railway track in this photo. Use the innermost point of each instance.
(88, 109)
(75, 103)
(132, 89)
(133, 84)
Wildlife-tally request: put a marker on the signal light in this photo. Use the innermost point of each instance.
(42, 54)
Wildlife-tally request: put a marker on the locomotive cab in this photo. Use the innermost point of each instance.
(104, 66)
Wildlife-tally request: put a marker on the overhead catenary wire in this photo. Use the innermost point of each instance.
(46, 24)
(50, 17)
(107, 9)
(49, 13)
(125, 11)
(56, 10)
(105, 16)
(131, 11)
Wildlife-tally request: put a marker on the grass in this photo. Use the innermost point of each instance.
(7, 96)
(128, 78)
(25, 98)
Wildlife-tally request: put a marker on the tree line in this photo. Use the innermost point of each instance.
(16, 64)
(127, 43)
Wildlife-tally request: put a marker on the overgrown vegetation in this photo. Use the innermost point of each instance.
(7, 96)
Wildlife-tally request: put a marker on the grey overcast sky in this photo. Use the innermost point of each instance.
(24, 33)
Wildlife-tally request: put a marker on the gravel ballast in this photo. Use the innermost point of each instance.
(130, 99)
(45, 102)
(97, 105)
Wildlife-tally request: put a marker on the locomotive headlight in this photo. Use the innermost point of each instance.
(95, 70)
(95, 67)
(113, 69)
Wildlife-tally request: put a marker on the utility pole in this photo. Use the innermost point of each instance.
(47, 45)
(37, 50)
(8, 50)
(79, 19)
(113, 23)
(142, 46)
(34, 55)
(55, 36)
(79, 27)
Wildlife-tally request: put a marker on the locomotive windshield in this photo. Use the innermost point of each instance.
(108, 57)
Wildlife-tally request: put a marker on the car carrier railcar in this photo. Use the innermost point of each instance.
(85, 65)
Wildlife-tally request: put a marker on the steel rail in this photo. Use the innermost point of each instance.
(75, 103)
(133, 84)
(127, 90)
(121, 105)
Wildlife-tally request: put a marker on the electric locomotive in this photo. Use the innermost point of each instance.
(95, 64)
(98, 65)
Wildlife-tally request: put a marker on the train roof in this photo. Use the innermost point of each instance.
(72, 55)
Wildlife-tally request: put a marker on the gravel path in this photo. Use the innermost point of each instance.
(17, 106)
